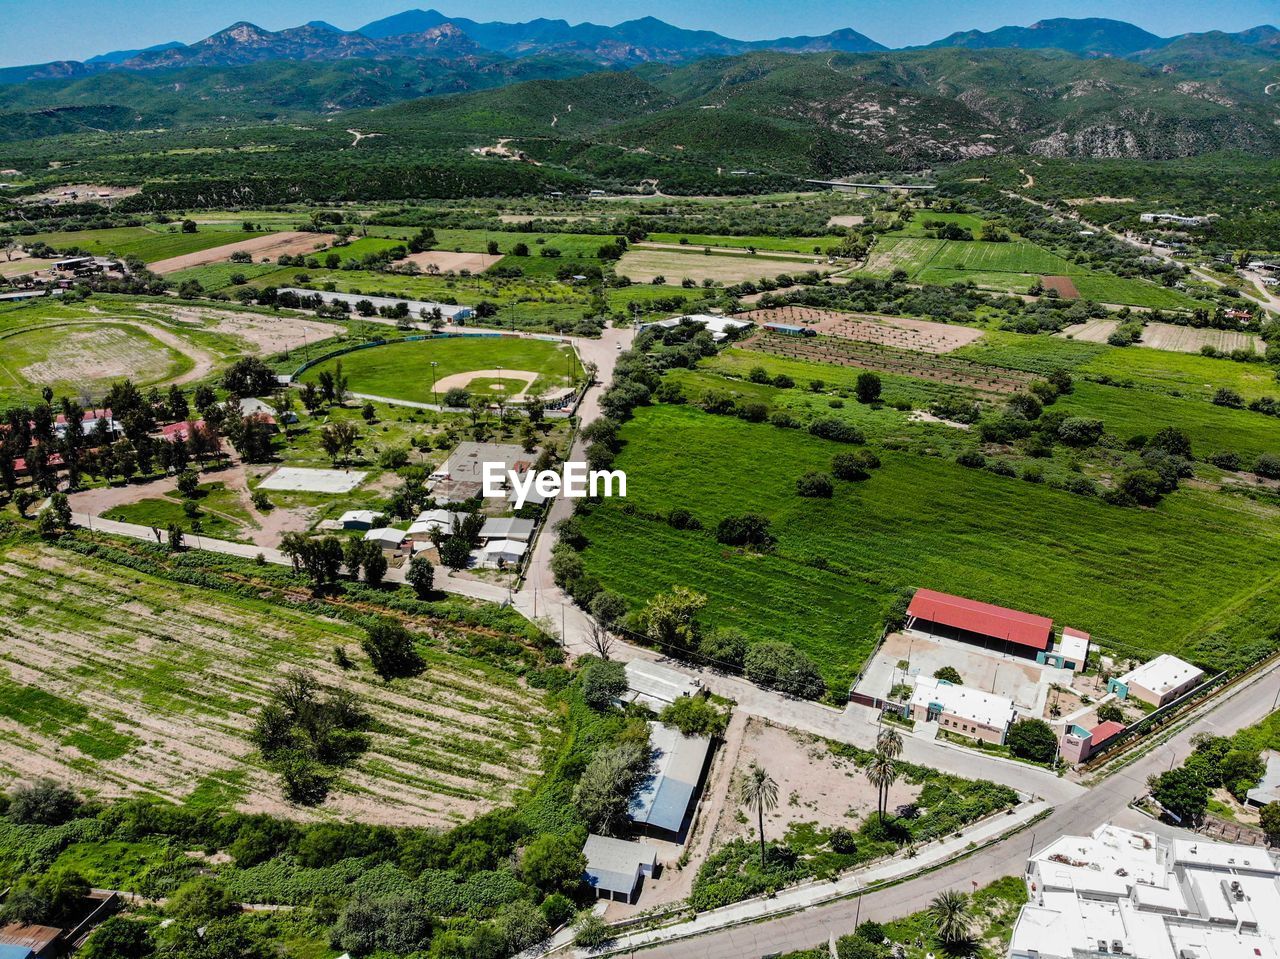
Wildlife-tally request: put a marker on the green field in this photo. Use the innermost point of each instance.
(987, 280)
(1129, 292)
(145, 243)
(143, 685)
(403, 371)
(83, 357)
(1197, 575)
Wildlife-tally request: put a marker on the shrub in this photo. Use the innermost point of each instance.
(44, 803)
(1225, 396)
(832, 429)
(694, 715)
(948, 673)
(1267, 465)
(783, 667)
(749, 529)
(1080, 431)
(391, 650)
(723, 647)
(972, 459)
(867, 387)
(816, 485)
(854, 466)
(1032, 739)
(603, 681)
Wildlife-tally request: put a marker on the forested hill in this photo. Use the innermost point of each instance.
(831, 114)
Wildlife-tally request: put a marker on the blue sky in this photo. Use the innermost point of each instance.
(33, 31)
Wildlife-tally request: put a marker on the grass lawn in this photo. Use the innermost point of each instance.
(220, 514)
(74, 358)
(403, 370)
(217, 276)
(1196, 574)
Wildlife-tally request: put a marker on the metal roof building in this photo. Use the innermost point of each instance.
(663, 803)
(929, 608)
(615, 866)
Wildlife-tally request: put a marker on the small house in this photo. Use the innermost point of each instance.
(500, 553)
(1070, 652)
(507, 527)
(1157, 682)
(617, 867)
(359, 519)
(387, 538)
(963, 710)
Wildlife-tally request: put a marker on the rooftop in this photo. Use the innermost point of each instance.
(666, 795)
(1161, 674)
(975, 705)
(615, 864)
(507, 527)
(1025, 629)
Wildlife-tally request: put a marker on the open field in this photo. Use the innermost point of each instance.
(270, 245)
(675, 265)
(1062, 285)
(444, 261)
(943, 369)
(1132, 292)
(151, 245)
(1196, 575)
(403, 371)
(76, 359)
(1168, 336)
(986, 280)
(901, 332)
(792, 244)
(127, 684)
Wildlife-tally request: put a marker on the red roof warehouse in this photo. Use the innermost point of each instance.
(984, 619)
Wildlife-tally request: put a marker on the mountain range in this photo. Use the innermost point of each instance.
(431, 34)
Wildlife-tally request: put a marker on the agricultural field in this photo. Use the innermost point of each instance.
(162, 705)
(939, 368)
(643, 265)
(900, 332)
(147, 243)
(1130, 292)
(404, 371)
(1000, 282)
(1139, 580)
(792, 244)
(1169, 336)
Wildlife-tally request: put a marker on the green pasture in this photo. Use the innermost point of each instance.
(1140, 581)
(145, 243)
(403, 370)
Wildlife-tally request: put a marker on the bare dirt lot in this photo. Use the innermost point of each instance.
(847, 219)
(444, 261)
(266, 334)
(643, 265)
(21, 264)
(1063, 284)
(270, 246)
(905, 333)
(524, 378)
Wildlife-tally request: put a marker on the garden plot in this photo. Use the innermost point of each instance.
(901, 332)
(1094, 331)
(675, 265)
(132, 685)
(1063, 285)
(272, 245)
(302, 480)
(951, 371)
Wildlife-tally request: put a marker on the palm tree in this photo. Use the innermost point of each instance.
(889, 742)
(882, 772)
(950, 910)
(758, 791)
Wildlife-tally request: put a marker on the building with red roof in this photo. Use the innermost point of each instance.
(1078, 744)
(965, 619)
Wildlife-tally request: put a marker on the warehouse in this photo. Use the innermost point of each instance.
(664, 804)
(954, 617)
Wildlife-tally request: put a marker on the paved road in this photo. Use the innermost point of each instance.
(1106, 802)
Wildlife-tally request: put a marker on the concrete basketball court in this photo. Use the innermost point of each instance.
(298, 479)
(1022, 680)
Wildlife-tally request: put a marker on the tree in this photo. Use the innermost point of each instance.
(421, 576)
(603, 681)
(695, 716)
(867, 388)
(603, 793)
(882, 772)
(337, 439)
(202, 900)
(723, 647)
(854, 466)
(590, 931)
(1032, 739)
(1182, 793)
(599, 638)
(520, 925)
(553, 863)
(783, 667)
(189, 226)
(119, 938)
(188, 483)
(669, 618)
(391, 650)
(951, 916)
(1241, 770)
(1110, 713)
(948, 674)
(815, 485)
(43, 803)
(609, 607)
(758, 791)
(53, 899)
(1269, 819)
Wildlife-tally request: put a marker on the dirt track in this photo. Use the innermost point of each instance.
(272, 245)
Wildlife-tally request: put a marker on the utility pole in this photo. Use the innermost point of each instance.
(434, 397)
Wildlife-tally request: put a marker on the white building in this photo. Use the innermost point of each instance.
(719, 326)
(1158, 681)
(387, 538)
(500, 553)
(1123, 893)
(430, 520)
(962, 709)
(1173, 218)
